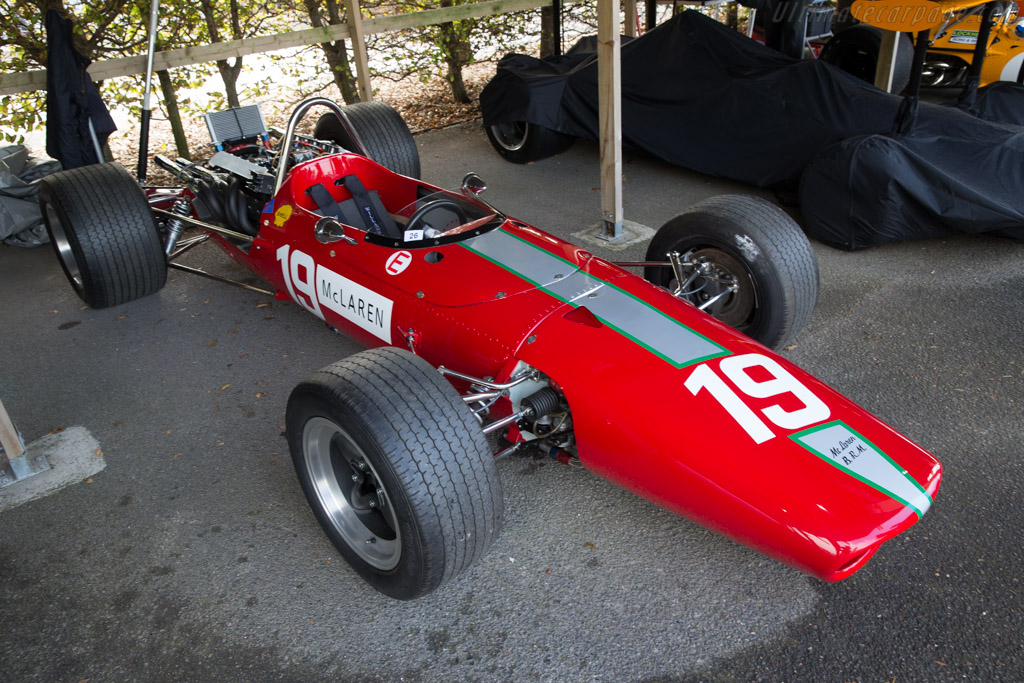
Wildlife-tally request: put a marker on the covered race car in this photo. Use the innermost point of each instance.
(698, 94)
(480, 323)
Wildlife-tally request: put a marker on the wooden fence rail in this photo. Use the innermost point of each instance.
(29, 81)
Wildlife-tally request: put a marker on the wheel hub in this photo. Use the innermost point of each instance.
(366, 493)
(352, 497)
(715, 282)
(511, 136)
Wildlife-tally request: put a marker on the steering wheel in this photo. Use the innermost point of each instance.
(417, 216)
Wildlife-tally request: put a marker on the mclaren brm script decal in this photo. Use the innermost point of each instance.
(631, 317)
(315, 287)
(840, 446)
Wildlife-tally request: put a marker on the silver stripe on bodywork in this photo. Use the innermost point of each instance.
(840, 446)
(527, 261)
(635, 319)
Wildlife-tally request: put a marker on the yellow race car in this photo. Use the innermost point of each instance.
(954, 29)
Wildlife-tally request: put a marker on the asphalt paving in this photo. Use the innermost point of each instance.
(192, 555)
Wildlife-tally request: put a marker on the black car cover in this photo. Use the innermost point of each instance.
(72, 99)
(1001, 101)
(700, 95)
(873, 189)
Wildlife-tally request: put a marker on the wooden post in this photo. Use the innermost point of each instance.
(547, 33)
(629, 9)
(355, 28)
(886, 67)
(9, 436)
(609, 78)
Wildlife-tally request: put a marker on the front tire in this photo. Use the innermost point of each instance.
(381, 129)
(396, 469)
(753, 242)
(521, 142)
(103, 233)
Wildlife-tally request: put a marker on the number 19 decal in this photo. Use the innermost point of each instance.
(299, 278)
(780, 382)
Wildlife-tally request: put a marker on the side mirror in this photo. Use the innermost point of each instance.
(329, 230)
(473, 185)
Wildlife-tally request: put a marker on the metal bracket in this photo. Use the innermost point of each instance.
(21, 468)
(15, 468)
(611, 230)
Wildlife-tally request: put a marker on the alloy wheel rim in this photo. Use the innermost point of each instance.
(350, 493)
(63, 247)
(511, 136)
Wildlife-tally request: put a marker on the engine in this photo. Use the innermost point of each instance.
(233, 186)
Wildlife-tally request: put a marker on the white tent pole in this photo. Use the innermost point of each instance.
(609, 78)
(154, 13)
(886, 68)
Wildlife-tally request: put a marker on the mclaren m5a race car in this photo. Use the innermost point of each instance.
(482, 324)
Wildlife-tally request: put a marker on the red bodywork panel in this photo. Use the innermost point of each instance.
(666, 401)
(652, 435)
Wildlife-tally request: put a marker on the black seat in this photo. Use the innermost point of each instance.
(364, 210)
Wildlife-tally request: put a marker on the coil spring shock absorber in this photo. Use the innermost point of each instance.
(539, 404)
(534, 406)
(175, 226)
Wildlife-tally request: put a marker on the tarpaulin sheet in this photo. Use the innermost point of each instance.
(874, 189)
(21, 222)
(1001, 101)
(700, 95)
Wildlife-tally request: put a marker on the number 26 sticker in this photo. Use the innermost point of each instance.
(779, 383)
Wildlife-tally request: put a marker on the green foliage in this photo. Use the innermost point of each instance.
(118, 28)
(21, 112)
(444, 49)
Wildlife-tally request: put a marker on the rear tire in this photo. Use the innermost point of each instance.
(521, 142)
(762, 247)
(396, 468)
(855, 50)
(381, 129)
(103, 233)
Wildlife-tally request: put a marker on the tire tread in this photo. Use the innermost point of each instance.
(434, 445)
(387, 137)
(107, 216)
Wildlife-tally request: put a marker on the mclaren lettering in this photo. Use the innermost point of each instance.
(354, 302)
(356, 307)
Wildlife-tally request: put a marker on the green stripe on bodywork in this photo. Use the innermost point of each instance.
(843, 447)
(627, 314)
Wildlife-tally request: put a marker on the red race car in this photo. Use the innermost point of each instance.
(479, 323)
